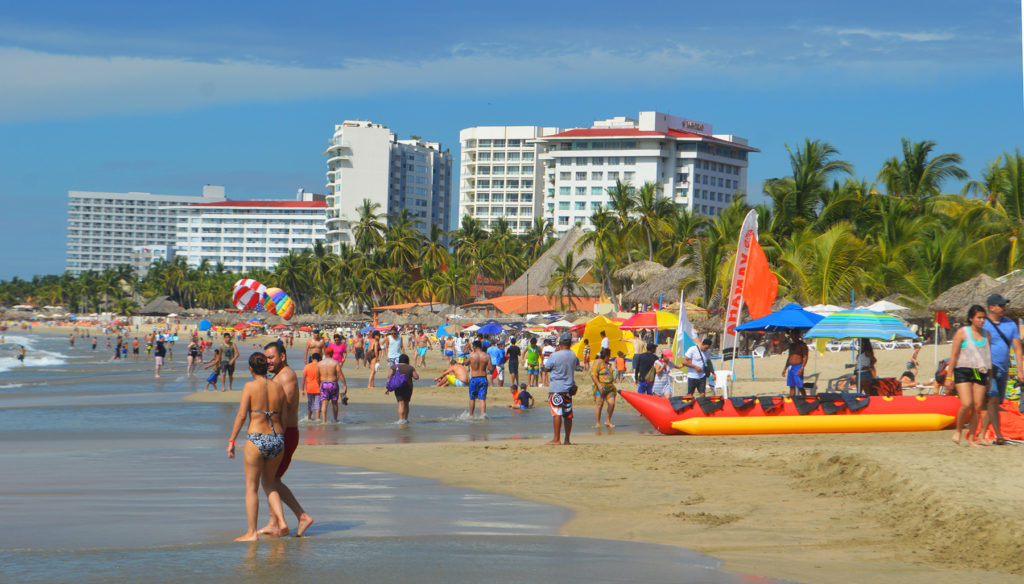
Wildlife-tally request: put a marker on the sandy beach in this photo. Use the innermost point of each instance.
(887, 507)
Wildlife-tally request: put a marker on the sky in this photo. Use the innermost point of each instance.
(165, 97)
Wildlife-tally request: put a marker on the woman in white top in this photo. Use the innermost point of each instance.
(662, 382)
(971, 364)
(865, 372)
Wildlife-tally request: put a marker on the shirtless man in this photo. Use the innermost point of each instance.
(358, 346)
(277, 360)
(456, 375)
(314, 345)
(479, 367)
(228, 355)
(795, 362)
(135, 349)
(328, 374)
(422, 346)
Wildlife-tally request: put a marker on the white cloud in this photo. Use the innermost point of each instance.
(906, 36)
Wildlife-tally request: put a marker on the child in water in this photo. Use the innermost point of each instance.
(215, 363)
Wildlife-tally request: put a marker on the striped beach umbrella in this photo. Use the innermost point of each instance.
(652, 319)
(860, 323)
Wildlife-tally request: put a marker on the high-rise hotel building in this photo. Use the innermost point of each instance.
(366, 161)
(500, 175)
(695, 168)
(103, 228)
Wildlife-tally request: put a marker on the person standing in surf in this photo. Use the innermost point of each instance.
(228, 355)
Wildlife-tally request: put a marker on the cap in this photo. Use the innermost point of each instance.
(666, 353)
(565, 338)
(996, 300)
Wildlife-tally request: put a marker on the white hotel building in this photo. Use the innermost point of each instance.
(500, 175)
(695, 168)
(366, 161)
(103, 228)
(246, 235)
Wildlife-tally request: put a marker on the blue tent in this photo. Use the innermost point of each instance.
(204, 325)
(789, 317)
(490, 329)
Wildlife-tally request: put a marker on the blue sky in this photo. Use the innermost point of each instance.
(167, 96)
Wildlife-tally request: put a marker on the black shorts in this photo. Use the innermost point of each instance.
(698, 385)
(359, 353)
(513, 366)
(135, 351)
(968, 375)
(227, 367)
(404, 393)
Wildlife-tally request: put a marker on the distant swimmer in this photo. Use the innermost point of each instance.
(94, 343)
(71, 340)
(21, 354)
(158, 356)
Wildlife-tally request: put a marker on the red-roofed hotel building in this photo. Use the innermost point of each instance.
(697, 169)
(245, 235)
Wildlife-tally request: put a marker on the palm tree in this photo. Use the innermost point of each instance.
(604, 239)
(435, 249)
(622, 204)
(368, 231)
(538, 238)
(917, 178)
(565, 282)
(796, 198)
(452, 285)
(652, 212)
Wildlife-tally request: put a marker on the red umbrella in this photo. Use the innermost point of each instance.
(241, 325)
(305, 329)
(280, 327)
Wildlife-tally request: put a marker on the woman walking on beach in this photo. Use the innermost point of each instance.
(193, 356)
(971, 363)
(402, 386)
(372, 356)
(604, 387)
(263, 402)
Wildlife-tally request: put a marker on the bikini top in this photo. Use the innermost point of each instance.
(270, 420)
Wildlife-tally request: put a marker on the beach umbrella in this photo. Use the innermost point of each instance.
(442, 331)
(472, 328)
(559, 324)
(280, 327)
(255, 321)
(490, 329)
(789, 317)
(365, 329)
(305, 329)
(860, 323)
(247, 294)
(241, 326)
(204, 325)
(651, 319)
(885, 306)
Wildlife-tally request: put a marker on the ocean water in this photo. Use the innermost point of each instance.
(110, 477)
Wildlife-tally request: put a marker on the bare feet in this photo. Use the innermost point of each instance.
(598, 425)
(248, 537)
(609, 424)
(566, 443)
(269, 529)
(956, 437)
(555, 442)
(304, 522)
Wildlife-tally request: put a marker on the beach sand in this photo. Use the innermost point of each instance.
(886, 507)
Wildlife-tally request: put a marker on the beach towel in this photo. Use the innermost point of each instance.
(886, 386)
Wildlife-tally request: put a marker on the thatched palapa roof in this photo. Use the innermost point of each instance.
(665, 287)
(1012, 290)
(641, 270)
(538, 275)
(160, 306)
(960, 297)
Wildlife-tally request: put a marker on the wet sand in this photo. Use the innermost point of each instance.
(886, 507)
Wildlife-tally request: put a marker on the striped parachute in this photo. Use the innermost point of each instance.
(279, 303)
(248, 294)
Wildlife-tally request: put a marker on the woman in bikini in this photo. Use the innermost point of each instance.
(971, 363)
(372, 356)
(263, 402)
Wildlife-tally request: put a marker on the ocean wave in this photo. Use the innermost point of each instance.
(32, 359)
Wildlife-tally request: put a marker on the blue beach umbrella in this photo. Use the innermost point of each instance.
(443, 331)
(204, 325)
(789, 317)
(490, 329)
(366, 329)
(860, 323)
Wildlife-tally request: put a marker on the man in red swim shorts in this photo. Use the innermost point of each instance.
(283, 374)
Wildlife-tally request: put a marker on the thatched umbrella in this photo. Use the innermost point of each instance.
(1012, 290)
(160, 306)
(640, 271)
(957, 299)
(665, 286)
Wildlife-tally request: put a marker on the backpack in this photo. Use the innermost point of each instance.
(396, 381)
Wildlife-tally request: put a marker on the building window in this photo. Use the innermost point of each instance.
(563, 221)
(581, 176)
(628, 176)
(581, 205)
(597, 176)
(629, 160)
(581, 190)
(582, 161)
(564, 190)
(613, 175)
(596, 190)
(563, 205)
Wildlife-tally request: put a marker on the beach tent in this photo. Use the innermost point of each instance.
(619, 340)
(472, 328)
(559, 324)
(824, 309)
(789, 317)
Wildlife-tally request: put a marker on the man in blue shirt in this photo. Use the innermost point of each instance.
(497, 355)
(1005, 335)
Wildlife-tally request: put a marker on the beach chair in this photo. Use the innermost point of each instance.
(758, 352)
(678, 376)
(722, 379)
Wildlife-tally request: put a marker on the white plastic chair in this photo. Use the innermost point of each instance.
(722, 379)
(758, 352)
(678, 376)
